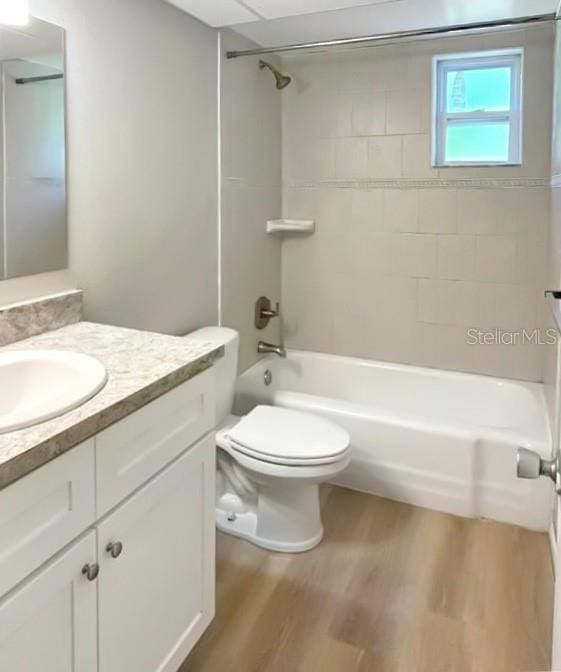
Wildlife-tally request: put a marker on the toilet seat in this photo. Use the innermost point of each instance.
(285, 437)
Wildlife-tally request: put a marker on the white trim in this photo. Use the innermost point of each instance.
(219, 176)
(4, 159)
(441, 118)
(553, 548)
(475, 55)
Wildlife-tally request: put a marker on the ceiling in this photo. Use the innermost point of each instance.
(277, 22)
(220, 13)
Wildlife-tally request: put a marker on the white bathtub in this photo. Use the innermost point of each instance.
(437, 439)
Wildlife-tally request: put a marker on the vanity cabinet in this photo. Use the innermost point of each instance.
(156, 596)
(108, 553)
(49, 623)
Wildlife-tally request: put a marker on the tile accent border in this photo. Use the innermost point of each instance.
(479, 183)
(47, 313)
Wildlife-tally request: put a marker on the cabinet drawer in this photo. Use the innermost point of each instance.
(131, 451)
(45, 510)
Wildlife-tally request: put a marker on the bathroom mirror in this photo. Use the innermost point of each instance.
(33, 219)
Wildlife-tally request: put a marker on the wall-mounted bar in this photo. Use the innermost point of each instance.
(372, 40)
(42, 78)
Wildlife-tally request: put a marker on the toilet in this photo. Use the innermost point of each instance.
(270, 463)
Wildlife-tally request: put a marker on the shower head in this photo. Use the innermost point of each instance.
(282, 80)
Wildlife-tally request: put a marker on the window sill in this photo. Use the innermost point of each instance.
(477, 165)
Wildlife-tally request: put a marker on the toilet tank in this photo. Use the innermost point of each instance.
(226, 368)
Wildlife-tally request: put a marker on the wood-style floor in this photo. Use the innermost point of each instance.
(392, 588)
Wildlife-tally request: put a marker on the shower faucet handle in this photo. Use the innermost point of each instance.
(264, 313)
(269, 313)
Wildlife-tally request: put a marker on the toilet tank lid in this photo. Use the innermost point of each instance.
(219, 335)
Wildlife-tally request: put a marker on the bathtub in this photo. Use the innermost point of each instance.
(437, 439)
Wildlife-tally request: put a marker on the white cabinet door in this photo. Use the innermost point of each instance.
(49, 623)
(44, 511)
(157, 596)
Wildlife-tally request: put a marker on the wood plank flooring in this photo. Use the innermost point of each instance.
(392, 588)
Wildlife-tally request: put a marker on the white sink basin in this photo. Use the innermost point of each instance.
(36, 385)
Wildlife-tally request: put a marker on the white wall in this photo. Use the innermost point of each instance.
(406, 257)
(251, 194)
(142, 131)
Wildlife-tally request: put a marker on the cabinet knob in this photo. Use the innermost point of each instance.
(91, 572)
(114, 548)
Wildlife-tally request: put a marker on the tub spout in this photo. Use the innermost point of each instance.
(267, 348)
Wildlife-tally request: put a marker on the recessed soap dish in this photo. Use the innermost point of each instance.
(291, 226)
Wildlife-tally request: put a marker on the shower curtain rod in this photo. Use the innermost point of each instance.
(423, 32)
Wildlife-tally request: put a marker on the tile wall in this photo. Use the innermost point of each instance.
(406, 257)
(250, 260)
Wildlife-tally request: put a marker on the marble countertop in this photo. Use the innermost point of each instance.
(141, 366)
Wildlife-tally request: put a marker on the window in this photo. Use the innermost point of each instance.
(477, 109)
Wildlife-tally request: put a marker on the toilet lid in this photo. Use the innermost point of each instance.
(284, 436)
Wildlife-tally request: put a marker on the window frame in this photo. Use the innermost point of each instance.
(444, 63)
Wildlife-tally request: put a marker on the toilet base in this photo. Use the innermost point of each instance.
(245, 525)
(286, 520)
